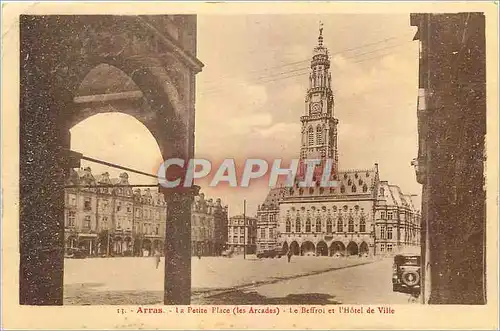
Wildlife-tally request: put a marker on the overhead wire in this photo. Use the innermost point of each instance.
(301, 71)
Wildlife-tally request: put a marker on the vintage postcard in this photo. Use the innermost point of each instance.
(189, 165)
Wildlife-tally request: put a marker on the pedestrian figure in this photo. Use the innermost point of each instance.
(289, 255)
(199, 256)
(157, 258)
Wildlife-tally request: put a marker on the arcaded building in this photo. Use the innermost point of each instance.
(208, 226)
(103, 218)
(362, 215)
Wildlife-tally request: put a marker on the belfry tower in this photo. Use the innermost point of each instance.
(319, 127)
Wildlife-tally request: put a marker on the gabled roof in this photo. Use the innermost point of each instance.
(273, 197)
(391, 195)
(355, 182)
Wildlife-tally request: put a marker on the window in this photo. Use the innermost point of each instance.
(86, 223)
(342, 189)
(340, 225)
(72, 200)
(129, 209)
(271, 233)
(118, 223)
(119, 206)
(389, 233)
(389, 215)
(350, 225)
(104, 223)
(382, 215)
(354, 189)
(242, 230)
(319, 136)
(71, 218)
(349, 182)
(157, 230)
(318, 225)
(235, 239)
(382, 232)
(362, 225)
(288, 226)
(389, 247)
(382, 248)
(87, 204)
(263, 233)
(272, 218)
(329, 226)
(297, 225)
(308, 225)
(310, 137)
(365, 188)
(242, 239)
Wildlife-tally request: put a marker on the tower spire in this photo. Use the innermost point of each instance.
(320, 38)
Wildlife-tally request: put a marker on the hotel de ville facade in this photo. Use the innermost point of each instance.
(362, 215)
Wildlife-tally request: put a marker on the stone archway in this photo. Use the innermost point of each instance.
(322, 249)
(363, 248)
(50, 78)
(352, 248)
(285, 247)
(147, 247)
(337, 248)
(294, 247)
(307, 248)
(117, 245)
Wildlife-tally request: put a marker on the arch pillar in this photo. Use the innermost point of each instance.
(44, 142)
(177, 246)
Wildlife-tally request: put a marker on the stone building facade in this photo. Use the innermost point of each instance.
(111, 220)
(362, 215)
(121, 221)
(242, 234)
(208, 226)
(267, 220)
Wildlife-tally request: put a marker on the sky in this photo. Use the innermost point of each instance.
(250, 96)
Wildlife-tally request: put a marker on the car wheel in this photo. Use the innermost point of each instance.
(410, 277)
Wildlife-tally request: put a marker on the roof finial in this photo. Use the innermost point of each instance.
(320, 38)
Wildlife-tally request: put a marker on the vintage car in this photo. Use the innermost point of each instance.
(227, 253)
(75, 253)
(271, 253)
(406, 273)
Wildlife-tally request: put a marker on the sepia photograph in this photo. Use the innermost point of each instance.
(182, 162)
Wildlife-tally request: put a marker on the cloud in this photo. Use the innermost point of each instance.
(246, 124)
(285, 130)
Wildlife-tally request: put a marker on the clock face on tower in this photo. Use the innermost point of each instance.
(315, 107)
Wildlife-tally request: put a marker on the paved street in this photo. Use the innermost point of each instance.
(364, 284)
(137, 281)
